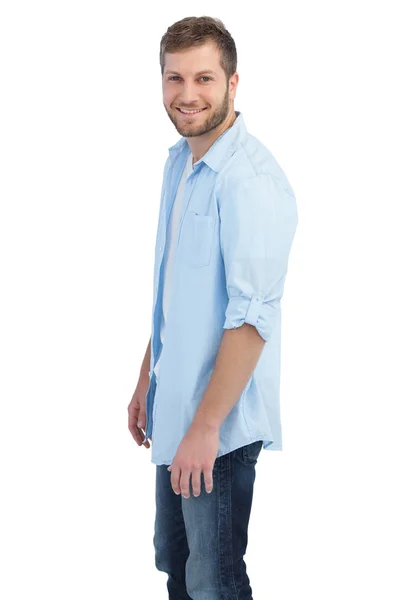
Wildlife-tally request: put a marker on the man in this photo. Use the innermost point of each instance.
(208, 392)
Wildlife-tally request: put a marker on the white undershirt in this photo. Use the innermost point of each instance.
(170, 244)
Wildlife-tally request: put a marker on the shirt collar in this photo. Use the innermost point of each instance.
(223, 147)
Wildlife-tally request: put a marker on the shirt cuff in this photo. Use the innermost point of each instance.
(255, 311)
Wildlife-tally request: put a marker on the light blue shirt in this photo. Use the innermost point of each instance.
(237, 223)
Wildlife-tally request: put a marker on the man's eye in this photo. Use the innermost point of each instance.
(177, 76)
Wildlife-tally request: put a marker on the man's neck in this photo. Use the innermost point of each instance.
(198, 155)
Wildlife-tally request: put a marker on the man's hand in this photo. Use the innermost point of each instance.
(137, 414)
(196, 454)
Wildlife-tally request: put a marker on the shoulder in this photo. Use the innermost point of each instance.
(252, 165)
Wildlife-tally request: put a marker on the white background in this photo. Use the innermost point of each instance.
(84, 137)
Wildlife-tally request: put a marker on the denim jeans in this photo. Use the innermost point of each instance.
(200, 542)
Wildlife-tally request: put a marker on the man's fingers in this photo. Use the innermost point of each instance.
(208, 480)
(196, 482)
(137, 436)
(185, 483)
(180, 480)
(142, 436)
(133, 428)
(175, 478)
(136, 431)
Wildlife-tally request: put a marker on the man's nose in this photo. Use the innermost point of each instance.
(189, 96)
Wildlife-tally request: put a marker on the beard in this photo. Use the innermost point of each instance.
(209, 121)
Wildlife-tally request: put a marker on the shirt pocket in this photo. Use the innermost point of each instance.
(197, 239)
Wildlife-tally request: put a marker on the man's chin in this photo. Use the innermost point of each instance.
(190, 132)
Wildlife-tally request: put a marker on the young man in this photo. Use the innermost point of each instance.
(208, 393)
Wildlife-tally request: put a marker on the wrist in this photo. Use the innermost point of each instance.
(205, 424)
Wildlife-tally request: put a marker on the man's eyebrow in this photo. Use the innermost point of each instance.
(199, 73)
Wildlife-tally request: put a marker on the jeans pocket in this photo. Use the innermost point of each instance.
(251, 452)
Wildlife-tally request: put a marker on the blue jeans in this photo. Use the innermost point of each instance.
(200, 542)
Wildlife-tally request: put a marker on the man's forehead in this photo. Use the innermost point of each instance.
(207, 58)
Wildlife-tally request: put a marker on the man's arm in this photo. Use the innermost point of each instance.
(137, 405)
(145, 368)
(236, 360)
(258, 219)
(237, 357)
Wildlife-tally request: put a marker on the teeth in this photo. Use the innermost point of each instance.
(190, 112)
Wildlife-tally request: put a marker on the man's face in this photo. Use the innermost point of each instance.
(186, 86)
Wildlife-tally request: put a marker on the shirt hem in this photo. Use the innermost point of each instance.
(267, 445)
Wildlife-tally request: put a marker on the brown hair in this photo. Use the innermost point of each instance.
(196, 31)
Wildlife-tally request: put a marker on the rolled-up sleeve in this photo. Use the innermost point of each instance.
(258, 220)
